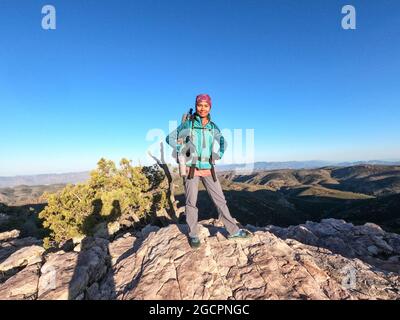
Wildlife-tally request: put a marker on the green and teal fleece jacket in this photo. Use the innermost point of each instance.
(197, 145)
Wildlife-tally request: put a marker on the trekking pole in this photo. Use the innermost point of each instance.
(213, 170)
(180, 157)
(192, 167)
(211, 159)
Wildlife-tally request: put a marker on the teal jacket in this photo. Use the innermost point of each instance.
(198, 144)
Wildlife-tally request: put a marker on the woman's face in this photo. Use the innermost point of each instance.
(203, 109)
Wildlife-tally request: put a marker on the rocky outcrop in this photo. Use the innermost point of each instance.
(22, 286)
(67, 275)
(16, 253)
(327, 260)
(20, 261)
(23, 257)
(368, 242)
(264, 267)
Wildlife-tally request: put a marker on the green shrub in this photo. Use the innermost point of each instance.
(123, 194)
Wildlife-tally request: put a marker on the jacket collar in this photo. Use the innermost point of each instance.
(198, 119)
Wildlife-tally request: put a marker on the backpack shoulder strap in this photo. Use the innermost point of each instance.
(214, 126)
(192, 119)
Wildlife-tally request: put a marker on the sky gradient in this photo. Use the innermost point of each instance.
(114, 70)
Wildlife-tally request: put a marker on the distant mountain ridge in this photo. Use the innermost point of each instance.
(312, 164)
(44, 179)
(362, 193)
(373, 180)
(76, 177)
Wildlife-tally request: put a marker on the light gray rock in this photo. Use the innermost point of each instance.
(25, 242)
(147, 230)
(22, 257)
(369, 229)
(120, 247)
(22, 286)
(373, 250)
(67, 275)
(8, 235)
(367, 242)
(382, 244)
(106, 230)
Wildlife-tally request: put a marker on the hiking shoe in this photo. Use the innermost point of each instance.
(194, 242)
(241, 234)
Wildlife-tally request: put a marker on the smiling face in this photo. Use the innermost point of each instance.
(203, 109)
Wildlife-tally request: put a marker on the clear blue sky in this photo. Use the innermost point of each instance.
(113, 70)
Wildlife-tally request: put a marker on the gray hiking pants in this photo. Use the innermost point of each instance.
(215, 192)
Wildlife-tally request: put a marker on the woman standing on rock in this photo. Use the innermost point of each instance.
(194, 141)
